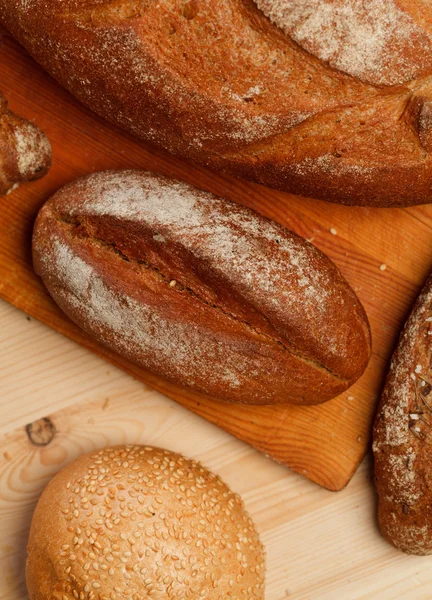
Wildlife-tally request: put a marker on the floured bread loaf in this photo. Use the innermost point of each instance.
(324, 98)
(403, 436)
(199, 290)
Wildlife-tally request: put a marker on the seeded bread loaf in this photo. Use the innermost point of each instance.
(199, 290)
(25, 152)
(324, 98)
(142, 523)
(403, 436)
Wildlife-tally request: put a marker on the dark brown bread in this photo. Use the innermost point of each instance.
(204, 292)
(337, 107)
(25, 152)
(142, 523)
(403, 436)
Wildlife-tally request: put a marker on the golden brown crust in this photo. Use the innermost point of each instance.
(218, 83)
(200, 290)
(403, 436)
(25, 152)
(142, 523)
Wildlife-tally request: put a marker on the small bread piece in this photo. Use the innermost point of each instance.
(142, 523)
(25, 152)
(199, 290)
(403, 436)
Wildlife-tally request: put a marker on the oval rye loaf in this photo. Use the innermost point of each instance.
(199, 290)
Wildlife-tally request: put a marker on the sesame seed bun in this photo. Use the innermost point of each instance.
(142, 523)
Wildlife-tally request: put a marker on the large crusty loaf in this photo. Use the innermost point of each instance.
(403, 436)
(202, 291)
(25, 152)
(141, 523)
(335, 103)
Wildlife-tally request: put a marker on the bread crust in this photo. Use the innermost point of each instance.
(220, 84)
(403, 436)
(200, 290)
(25, 152)
(144, 523)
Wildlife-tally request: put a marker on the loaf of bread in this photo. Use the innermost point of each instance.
(25, 152)
(403, 436)
(140, 523)
(199, 290)
(324, 98)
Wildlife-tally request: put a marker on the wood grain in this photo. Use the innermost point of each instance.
(325, 443)
(320, 545)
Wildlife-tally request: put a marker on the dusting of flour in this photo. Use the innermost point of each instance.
(32, 149)
(373, 40)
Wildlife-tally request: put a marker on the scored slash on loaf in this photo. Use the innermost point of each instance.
(202, 291)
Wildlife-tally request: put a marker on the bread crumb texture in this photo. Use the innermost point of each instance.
(403, 436)
(140, 522)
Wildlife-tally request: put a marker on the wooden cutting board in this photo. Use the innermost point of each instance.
(384, 254)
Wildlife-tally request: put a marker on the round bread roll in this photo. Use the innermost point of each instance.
(133, 522)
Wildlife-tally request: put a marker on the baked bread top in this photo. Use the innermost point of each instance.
(202, 291)
(142, 523)
(218, 82)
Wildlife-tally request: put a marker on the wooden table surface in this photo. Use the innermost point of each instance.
(320, 545)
